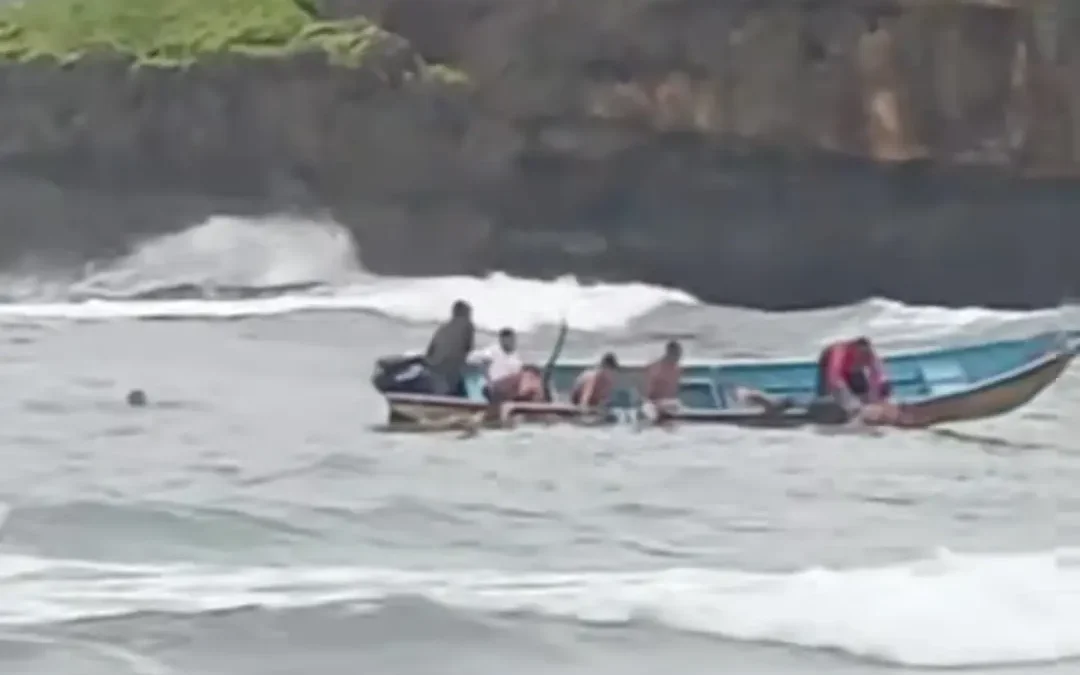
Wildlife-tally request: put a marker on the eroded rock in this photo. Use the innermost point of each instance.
(775, 153)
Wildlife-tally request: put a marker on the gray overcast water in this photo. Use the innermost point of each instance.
(250, 521)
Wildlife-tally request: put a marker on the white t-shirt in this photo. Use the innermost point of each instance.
(499, 364)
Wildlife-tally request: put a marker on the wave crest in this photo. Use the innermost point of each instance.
(945, 611)
(230, 267)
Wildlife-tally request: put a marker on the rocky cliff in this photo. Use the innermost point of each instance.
(775, 153)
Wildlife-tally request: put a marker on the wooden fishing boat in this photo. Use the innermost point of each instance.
(932, 386)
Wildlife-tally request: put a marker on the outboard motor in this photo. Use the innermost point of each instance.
(402, 375)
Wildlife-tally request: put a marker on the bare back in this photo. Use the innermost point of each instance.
(593, 388)
(662, 381)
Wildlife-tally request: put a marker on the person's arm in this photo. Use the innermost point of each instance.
(587, 391)
(838, 386)
(881, 387)
(479, 357)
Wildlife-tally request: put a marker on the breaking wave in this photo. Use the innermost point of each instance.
(231, 267)
(945, 611)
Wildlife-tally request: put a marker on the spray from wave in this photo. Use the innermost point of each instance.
(230, 254)
(947, 611)
(230, 267)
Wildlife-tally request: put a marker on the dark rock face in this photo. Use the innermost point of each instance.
(775, 154)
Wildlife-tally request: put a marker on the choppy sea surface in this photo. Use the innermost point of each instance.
(249, 520)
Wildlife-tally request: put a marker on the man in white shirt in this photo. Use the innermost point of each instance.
(500, 360)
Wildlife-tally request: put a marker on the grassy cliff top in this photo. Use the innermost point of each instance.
(177, 32)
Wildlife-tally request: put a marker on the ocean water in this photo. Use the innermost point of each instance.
(251, 521)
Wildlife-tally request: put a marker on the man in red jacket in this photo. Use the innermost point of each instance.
(850, 369)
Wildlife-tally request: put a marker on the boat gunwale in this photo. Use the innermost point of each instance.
(1003, 378)
(1073, 343)
(973, 389)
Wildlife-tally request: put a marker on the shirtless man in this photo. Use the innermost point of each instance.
(660, 389)
(594, 387)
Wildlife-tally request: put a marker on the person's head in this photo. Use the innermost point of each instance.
(136, 398)
(609, 362)
(461, 310)
(508, 340)
(673, 351)
(864, 349)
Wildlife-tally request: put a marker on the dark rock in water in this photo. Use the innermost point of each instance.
(136, 398)
(775, 154)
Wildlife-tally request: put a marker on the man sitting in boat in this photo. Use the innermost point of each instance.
(449, 350)
(499, 361)
(660, 388)
(594, 387)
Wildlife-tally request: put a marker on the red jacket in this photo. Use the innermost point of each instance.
(843, 361)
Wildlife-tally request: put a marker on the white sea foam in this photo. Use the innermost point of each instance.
(260, 253)
(948, 610)
(892, 320)
(280, 251)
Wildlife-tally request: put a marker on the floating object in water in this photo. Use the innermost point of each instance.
(136, 398)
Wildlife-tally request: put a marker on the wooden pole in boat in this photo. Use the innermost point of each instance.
(556, 351)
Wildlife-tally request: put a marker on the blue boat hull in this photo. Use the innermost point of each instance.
(932, 387)
(914, 376)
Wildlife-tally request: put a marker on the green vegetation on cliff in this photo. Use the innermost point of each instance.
(169, 33)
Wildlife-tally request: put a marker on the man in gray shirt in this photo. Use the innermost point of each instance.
(449, 349)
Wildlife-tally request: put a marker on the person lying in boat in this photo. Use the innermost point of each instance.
(499, 361)
(594, 387)
(449, 350)
(660, 386)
